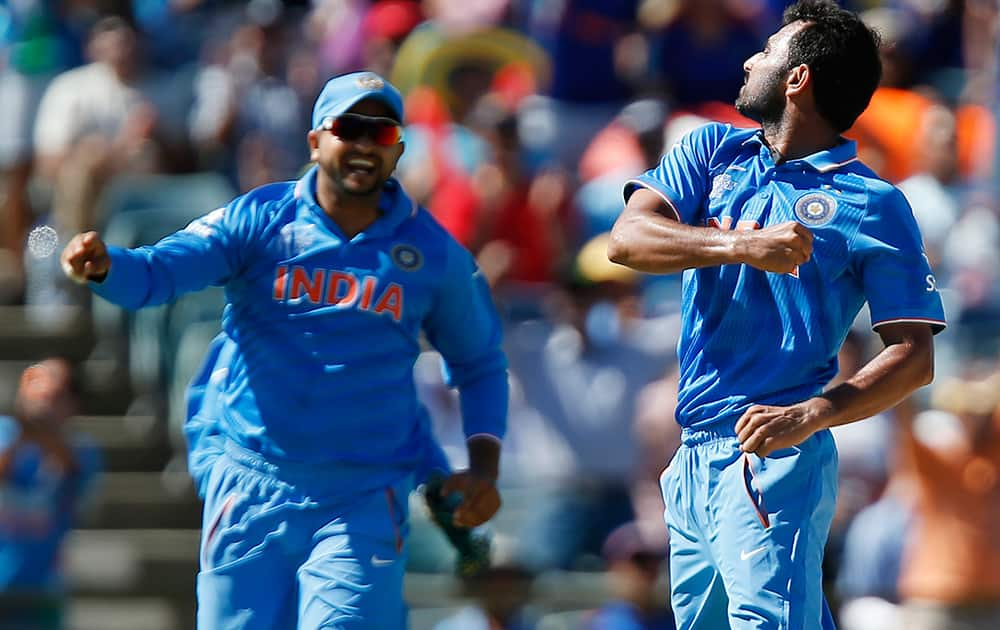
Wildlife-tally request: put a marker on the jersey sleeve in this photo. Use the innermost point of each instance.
(681, 178)
(895, 274)
(209, 251)
(464, 327)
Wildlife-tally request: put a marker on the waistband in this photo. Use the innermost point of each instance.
(693, 437)
(337, 478)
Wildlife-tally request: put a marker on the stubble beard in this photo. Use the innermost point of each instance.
(767, 106)
(345, 188)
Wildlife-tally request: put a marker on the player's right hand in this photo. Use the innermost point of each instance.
(85, 258)
(779, 248)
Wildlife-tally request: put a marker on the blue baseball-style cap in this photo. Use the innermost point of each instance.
(342, 92)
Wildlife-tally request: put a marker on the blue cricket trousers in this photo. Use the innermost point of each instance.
(747, 533)
(281, 550)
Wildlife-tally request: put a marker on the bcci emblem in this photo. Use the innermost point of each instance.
(407, 257)
(370, 82)
(815, 209)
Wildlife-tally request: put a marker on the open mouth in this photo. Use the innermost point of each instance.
(361, 167)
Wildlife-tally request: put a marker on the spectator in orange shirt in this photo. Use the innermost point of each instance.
(950, 575)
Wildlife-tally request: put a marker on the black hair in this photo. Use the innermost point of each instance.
(843, 58)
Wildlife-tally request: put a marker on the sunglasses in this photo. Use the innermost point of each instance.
(384, 132)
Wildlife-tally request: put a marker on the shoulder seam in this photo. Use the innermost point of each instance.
(864, 215)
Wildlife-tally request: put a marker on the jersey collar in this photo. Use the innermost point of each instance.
(395, 204)
(823, 161)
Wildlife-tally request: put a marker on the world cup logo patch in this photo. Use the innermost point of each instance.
(815, 209)
(407, 257)
(720, 185)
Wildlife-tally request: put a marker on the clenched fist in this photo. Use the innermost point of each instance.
(779, 248)
(85, 258)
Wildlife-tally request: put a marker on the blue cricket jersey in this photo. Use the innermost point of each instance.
(38, 507)
(755, 337)
(325, 330)
(205, 442)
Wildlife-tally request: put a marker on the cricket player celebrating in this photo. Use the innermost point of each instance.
(782, 235)
(329, 282)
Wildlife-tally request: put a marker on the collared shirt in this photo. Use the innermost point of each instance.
(325, 329)
(755, 337)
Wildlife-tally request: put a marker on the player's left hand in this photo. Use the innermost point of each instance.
(763, 429)
(480, 498)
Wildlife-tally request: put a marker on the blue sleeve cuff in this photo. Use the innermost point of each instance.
(484, 405)
(127, 282)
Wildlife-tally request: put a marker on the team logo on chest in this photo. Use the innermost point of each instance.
(815, 209)
(407, 257)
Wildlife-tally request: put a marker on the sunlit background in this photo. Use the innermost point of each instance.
(524, 118)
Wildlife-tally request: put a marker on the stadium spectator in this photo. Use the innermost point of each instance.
(251, 100)
(950, 573)
(867, 571)
(635, 558)
(501, 597)
(103, 119)
(632, 142)
(658, 436)
(590, 44)
(935, 189)
(386, 24)
(331, 280)
(45, 469)
(582, 371)
(767, 226)
(713, 40)
(521, 220)
(260, 64)
(37, 41)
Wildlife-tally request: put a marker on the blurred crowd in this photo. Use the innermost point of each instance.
(524, 119)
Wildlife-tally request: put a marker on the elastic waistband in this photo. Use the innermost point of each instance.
(693, 437)
(336, 478)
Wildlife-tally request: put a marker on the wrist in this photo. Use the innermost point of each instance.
(739, 245)
(821, 414)
(484, 456)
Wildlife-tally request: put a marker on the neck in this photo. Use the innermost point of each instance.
(352, 213)
(795, 136)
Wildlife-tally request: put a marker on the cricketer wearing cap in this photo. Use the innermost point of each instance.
(330, 281)
(783, 235)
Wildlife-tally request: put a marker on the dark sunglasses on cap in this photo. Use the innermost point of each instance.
(384, 132)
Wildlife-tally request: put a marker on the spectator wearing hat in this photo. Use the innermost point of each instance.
(635, 556)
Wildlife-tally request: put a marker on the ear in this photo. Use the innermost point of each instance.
(397, 152)
(799, 79)
(313, 139)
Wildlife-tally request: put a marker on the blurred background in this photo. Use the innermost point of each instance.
(525, 117)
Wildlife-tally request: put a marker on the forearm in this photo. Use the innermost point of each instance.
(895, 373)
(648, 241)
